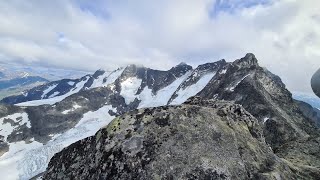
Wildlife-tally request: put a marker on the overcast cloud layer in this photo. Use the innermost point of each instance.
(283, 34)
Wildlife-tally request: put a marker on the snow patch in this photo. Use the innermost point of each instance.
(215, 96)
(25, 75)
(24, 164)
(54, 94)
(56, 99)
(129, 88)
(265, 119)
(46, 91)
(110, 78)
(148, 99)
(18, 119)
(223, 71)
(113, 76)
(25, 93)
(233, 87)
(184, 94)
(76, 106)
(71, 83)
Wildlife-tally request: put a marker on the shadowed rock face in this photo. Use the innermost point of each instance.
(315, 83)
(265, 96)
(309, 111)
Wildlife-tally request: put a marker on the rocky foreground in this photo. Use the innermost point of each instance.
(200, 139)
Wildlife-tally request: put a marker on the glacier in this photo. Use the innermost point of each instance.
(29, 160)
(23, 164)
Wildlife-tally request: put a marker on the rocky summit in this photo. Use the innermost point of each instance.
(201, 139)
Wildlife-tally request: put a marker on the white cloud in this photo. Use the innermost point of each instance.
(284, 34)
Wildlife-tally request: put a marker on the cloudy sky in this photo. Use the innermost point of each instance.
(91, 34)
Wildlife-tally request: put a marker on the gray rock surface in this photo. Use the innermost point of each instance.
(309, 111)
(315, 83)
(265, 96)
(215, 140)
(197, 140)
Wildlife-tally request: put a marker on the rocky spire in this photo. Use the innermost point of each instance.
(247, 61)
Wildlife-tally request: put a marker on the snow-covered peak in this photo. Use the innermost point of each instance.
(58, 90)
(182, 64)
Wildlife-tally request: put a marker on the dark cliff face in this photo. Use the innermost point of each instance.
(8, 109)
(263, 95)
(154, 79)
(309, 112)
(197, 140)
(315, 83)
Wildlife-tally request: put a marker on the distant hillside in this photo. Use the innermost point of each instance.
(18, 85)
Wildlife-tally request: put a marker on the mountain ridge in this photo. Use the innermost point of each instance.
(81, 114)
(174, 142)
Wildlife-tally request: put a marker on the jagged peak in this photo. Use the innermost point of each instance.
(250, 55)
(247, 61)
(182, 65)
(221, 61)
(100, 70)
(98, 73)
(137, 66)
(133, 68)
(129, 66)
(216, 63)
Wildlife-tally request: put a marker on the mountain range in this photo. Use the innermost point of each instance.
(9, 87)
(251, 120)
(15, 78)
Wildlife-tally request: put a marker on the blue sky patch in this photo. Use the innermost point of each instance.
(95, 7)
(231, 6)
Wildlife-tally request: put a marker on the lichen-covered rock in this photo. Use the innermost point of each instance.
(197, 140)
